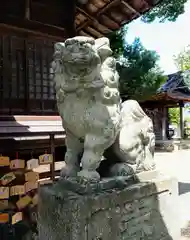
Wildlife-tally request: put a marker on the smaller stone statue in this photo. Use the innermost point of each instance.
(97, 124)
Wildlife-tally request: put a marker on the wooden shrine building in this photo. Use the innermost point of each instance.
(28, 31)
(174, 93)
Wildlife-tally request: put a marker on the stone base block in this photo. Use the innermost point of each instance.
(146, 209)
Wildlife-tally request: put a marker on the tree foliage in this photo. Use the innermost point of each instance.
(174, 116)
(182, 60)
(165, 10)
(187, 119)
(187, 107)
(117, 40)
(140, 76)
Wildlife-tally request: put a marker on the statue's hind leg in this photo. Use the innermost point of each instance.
(74, 149)
(94, 147)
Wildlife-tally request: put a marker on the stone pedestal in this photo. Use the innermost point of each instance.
(111, 210)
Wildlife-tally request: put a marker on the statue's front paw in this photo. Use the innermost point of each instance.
(121, 169)
(148, 166)
(89, 175)
(69, 171)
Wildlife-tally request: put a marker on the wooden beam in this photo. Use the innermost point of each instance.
(22, 119)
(107, 21)
(83, 25)
(52, 166)
(27, 9)
(107, 6)
(116, 16)
(96, 25)
(93, 32)
(164, 116)
(181, 122)
(35, 27)
(101, 28)
(94, 18)
(30, 34)
(83, 33)
(131, 8)
(85, 13)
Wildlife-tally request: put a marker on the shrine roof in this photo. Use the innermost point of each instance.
(53, 18)
(176, 88)
(100, 17)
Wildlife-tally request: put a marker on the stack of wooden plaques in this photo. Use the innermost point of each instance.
(18, 194)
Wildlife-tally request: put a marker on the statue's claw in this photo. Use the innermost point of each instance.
(89, 175)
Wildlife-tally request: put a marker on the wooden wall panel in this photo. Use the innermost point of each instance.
(26, 85)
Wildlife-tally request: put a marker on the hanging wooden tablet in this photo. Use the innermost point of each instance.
(7, 178)
(4, 204)
(35, 199)
(23, 202)
(29, 186)
(4, 161)
(17, 190)
(4, 192)
(46, 159)
(32, 163)
(31, 177)
(17, 164)
(4, 218)
(17, 217)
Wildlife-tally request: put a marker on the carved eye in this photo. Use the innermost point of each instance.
(107, 94)
(112, 79)
(88, 45)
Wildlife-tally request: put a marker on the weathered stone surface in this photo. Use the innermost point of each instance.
(95, 120)
(144, 210)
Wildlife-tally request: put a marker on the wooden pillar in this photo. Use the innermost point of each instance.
(27, 9)
(181, 122)
(52, 143)
(164, 125)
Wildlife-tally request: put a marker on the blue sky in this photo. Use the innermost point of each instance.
(167, 38)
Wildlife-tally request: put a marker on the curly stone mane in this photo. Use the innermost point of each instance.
(83, 65)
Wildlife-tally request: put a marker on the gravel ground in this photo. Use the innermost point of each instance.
(177, 164)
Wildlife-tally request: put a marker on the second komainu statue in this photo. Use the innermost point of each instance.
(98, 125)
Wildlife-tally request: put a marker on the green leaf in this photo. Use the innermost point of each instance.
(168, 10)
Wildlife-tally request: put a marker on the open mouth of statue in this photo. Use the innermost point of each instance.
(78, 58)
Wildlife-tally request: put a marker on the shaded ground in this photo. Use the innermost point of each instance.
(177, 164)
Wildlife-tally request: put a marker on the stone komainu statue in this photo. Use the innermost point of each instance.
(95, 120)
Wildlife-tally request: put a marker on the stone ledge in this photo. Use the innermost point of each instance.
(143, 210)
